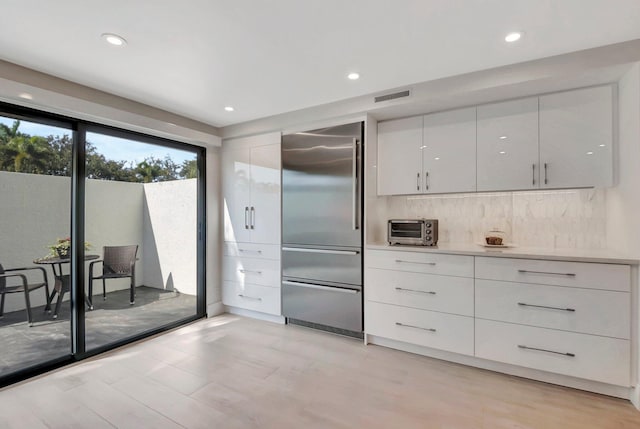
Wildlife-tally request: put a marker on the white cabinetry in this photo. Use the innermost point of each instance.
(428, 154)
(399, 160)
(420, 299)
(251, 191)
(576, 136)
(508, 146)
(561, 140)
(556, 321)
(449, 151)
(564, 318)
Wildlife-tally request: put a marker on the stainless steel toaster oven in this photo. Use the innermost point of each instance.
(418, 232)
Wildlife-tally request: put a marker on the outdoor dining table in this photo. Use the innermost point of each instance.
(62, 281)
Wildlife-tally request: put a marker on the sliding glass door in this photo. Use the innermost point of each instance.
(141, 218)
(102, 239)
(35, 201)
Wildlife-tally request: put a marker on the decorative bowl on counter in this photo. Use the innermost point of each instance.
(495, 237)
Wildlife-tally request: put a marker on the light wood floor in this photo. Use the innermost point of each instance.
(230, 372)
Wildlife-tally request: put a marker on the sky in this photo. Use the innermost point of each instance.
(112, 148)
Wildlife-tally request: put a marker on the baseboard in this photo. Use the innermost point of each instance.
(255, 315)
(533, 374)
(215, 309)
(635, 396)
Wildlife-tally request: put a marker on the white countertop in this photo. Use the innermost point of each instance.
(602, 256)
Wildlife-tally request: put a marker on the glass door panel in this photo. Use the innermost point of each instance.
(35, 204)
(141, 217)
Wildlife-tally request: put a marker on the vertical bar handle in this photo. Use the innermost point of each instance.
(533, 174)
(418, 181)
(253, 218)
(426, 180)
(246, 217)
(354, 184)
(545, 174)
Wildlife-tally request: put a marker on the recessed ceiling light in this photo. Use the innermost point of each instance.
(502, 152)
(589, 153)
(513, 37)
(114, 39)
(602, 145)
(503, 137)
(437, 158)
(354, 76)
(25, 95)
(229, 109)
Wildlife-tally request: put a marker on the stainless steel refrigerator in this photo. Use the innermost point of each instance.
(322, 228)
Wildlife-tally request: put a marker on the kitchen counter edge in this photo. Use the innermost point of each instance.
(570, 255)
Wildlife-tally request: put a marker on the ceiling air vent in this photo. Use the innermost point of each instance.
(393, 96)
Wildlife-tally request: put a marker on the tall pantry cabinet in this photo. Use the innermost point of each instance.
(252, 200)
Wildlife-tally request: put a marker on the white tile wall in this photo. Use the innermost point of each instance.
(551, 219)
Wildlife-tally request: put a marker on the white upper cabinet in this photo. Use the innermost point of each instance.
(449, 151)
(508, 146)
(399, 160)
(576, 136)
(251, 185)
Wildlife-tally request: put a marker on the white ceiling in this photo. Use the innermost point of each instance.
(265, 57)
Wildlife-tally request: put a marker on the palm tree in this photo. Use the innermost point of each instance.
(8, 133)
(29, 154)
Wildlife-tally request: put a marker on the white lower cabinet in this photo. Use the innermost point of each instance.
(253, 297)
(560, 317)
(425, 328)
(590, 357)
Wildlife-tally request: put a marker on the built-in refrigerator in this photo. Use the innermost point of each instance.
(322, 228)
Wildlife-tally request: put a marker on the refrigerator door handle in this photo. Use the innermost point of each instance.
(246, 216)
(354, 189)
(253, 217)
(332, 252)
(326, 288)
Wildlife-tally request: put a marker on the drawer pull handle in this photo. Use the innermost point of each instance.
(413, 290)
(400, 261)
(415, 327)
(522, 304)
(249, 251)
(547, 272)
(249, 297)
(520, 346)
(250, 271)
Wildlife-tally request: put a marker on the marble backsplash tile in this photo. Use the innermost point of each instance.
(551, 219)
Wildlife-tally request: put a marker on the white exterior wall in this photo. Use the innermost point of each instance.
(159, 217)
(170, 235)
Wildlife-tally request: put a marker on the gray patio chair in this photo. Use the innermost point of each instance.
(118, 262)
(23, 286)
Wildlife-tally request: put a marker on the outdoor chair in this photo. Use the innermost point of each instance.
(118, 262)
(23, 287)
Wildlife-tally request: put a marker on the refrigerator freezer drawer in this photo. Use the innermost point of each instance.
(342, 266)
(326, 305)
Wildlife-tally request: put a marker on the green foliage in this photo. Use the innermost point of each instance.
(52, 155)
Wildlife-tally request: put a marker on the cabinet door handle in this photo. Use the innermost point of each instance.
(533, 174)
(426, 180)
(418, 181)
(250, 271)
(547, 273)
(249, 297)
(523, 304)
(545, 173)
(520, 346)
(249, 251)
(246, 218)
(414, 290)
(400, 261)
(415, 327)
(253, 218)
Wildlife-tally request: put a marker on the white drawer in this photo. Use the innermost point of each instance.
(252, 250)
(577, 274)
(570, 309)
(265, 272)
(251, 297)
(425, 328)
(593, 357)
(420, 262)
(424, 291)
